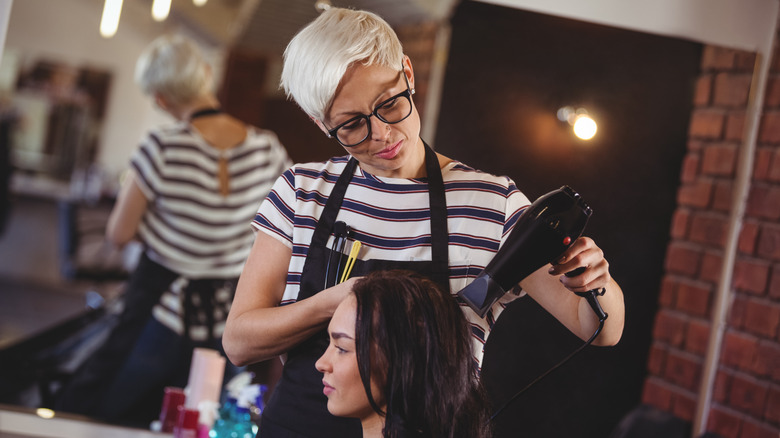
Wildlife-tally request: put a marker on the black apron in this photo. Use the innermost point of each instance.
(298, 408)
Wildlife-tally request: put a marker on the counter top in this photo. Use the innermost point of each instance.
(18, 422)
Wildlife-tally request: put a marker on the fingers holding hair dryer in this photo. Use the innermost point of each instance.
(582, 267)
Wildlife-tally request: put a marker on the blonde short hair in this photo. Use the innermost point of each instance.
(173, 66)
(319, 55)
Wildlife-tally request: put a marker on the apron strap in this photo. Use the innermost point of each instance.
(438, 200)
(332, 206)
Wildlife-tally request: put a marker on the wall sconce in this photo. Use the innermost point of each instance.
(582, 123)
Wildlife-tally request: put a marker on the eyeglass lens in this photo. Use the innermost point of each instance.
(393, 110)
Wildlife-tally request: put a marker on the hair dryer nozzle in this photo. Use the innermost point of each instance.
(481, 293)
(542, 233)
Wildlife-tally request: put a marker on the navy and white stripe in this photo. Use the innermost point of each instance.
(189, 227)
(391, 218)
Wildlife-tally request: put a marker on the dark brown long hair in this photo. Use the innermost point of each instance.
(414, 340)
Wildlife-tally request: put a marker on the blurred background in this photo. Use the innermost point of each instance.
(683, 175)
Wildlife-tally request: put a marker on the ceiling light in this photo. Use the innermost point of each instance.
(109, 22)
(160, 9)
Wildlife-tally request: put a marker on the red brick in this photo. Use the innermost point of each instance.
(768, 360)
(703, 90)
(683, 370)
(690, 167)
(722, 386)
(683, 258)
(773, 173)
(669, 327)
(735, 126)
(684, 406)
(695, 145)
(772, 96)
(680, 220)
(753, 429)
(668, 295)
(696, 337)
(762, 317)
(772, 411)
(739, 350)
(762, 164)
(731, 89)
(768, 131)
(751, 275)
(719, 159)
(707, 124)
(723, 197)
(724, 422)
(764, 202)
(656, 360)
(657, 393)
(717, 58)
(695, 194)
(774, 66)
(709, 229)
(774, 283)
(748, 395)
(736, 316)
(745, 61)
(748, 237)
(694, 298)
(769, 242)
(711, 267)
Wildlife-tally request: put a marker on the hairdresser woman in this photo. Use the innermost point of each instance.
(410, 208)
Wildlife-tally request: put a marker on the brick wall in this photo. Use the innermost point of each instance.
(419, 41)
(746, 397)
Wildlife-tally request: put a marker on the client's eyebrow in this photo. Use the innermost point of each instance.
(340, 335)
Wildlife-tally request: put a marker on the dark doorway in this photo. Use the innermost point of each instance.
(508, 73)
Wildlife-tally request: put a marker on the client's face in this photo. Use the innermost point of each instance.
(343, 387)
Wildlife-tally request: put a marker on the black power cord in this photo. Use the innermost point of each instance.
(591, 297)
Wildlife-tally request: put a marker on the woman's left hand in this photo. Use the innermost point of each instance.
(583, 253)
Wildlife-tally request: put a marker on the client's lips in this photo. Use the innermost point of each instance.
(390, 151)
(327, 389)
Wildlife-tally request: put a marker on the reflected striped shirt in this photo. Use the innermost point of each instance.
(391, 219)
(189, 226)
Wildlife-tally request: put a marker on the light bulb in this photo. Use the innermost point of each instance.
(160, 9)
(199, 2)
(585, 127)
(45, 413)
(109, 22)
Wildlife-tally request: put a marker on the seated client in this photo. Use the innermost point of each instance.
(400, 360)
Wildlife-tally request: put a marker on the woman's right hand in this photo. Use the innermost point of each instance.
(257, 327)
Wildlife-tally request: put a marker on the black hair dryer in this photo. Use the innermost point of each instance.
(542, 233)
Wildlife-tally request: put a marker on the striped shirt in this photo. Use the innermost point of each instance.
(391, 218)
(189, 227)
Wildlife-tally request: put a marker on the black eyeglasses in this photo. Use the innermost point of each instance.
(391, 111)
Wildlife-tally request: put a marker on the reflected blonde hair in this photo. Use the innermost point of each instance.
(319, 55)
(173, 66)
